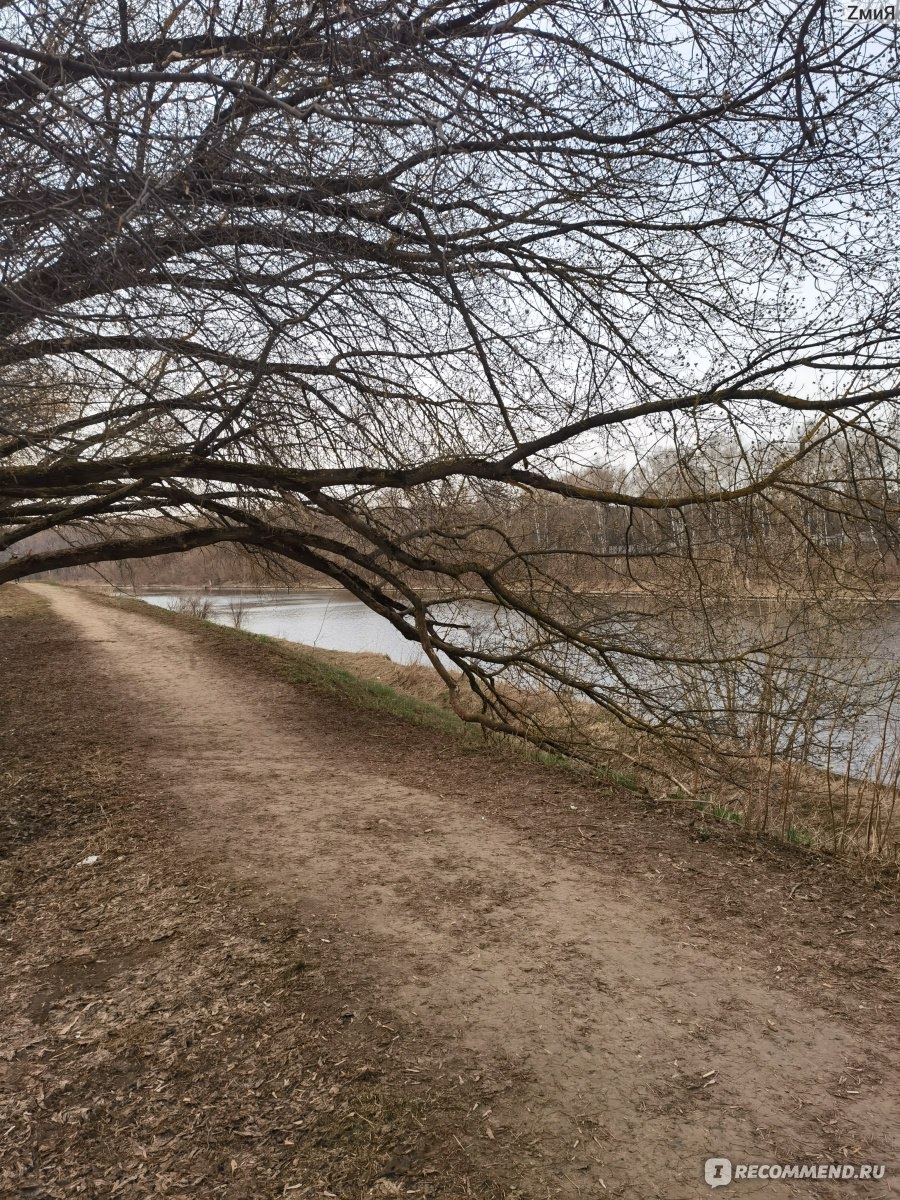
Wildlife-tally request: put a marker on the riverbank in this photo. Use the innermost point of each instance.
(325, 950)
(849, 810)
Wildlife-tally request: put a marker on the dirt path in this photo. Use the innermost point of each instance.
(623, 1051)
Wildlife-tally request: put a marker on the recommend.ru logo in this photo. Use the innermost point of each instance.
(720, 1171)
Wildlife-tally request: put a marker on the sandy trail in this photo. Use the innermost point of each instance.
(623, 1055)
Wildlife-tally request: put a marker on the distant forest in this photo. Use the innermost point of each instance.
(791, 536)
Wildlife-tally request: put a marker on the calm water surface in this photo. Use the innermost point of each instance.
(332, 620)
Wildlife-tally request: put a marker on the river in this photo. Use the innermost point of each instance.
(856, 703)
(329, 618)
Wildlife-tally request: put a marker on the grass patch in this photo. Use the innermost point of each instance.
(799, 837)
(723, 813)
(624, 779)
(304, 668)
(720, 812)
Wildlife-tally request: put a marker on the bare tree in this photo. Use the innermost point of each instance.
(402, 291)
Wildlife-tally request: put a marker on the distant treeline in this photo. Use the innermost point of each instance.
(836, 522)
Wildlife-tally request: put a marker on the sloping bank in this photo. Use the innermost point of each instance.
(769, 795)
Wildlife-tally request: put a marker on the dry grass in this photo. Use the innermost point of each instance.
(15, 601)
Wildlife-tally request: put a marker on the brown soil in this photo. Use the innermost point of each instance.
(521, 984)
